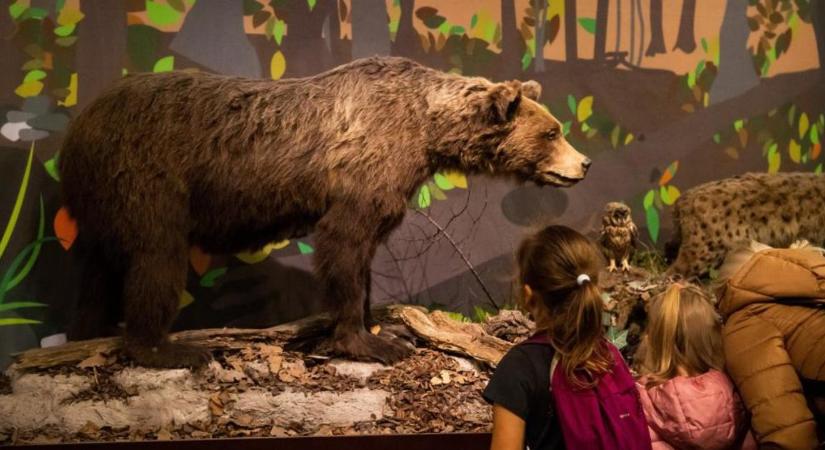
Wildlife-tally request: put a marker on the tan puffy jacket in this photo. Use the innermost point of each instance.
(774, 306)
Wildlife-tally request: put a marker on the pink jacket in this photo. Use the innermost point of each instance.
(702, 412)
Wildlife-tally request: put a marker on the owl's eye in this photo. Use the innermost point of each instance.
(552, 134)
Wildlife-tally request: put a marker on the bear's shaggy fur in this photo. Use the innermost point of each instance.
(163, 162)
(717, 217)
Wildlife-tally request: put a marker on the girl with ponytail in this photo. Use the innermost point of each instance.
(688, 400)
(551, 391)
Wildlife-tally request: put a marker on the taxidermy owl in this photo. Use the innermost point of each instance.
(619, 235)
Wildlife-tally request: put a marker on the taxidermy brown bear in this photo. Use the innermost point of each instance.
(162, 162)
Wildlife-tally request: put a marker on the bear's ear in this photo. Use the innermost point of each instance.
(504, 99)
(531, 89)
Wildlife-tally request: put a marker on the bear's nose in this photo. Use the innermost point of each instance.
(587, 163)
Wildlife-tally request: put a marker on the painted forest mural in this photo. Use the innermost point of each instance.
(662, 95)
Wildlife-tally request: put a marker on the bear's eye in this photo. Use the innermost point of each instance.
(552, 134)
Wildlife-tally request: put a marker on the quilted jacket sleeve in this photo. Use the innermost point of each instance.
(759, 364)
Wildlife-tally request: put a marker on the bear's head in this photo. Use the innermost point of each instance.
(521, 138)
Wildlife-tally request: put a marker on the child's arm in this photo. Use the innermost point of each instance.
(508, 430)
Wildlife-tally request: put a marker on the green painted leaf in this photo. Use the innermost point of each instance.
(38, 243)
(35, 13)
(18, 204)
(305, 248)
(424, 197)
(818, 170)
(588, 23)
(649, 197)
(161, 14)
(614, 136)
(652, 216)
(571, 103)
(814, 135)
(480, 314)
(791, 114)
(717, 138)
(311, 4)
(443, 182)
(774, 160)
(457, 316)
(51, 168)
(16, 9)
(526, 59)
(738, 125)
(64, 30)
(691, 79)
(165, 64)
(669, 194)
(457, 30)
(208, 279)
(20, 305)
(565, 128)
(17, 321)
(705, 45)
(278, 30)
(473, 21)
(34, 75)
(585, 127)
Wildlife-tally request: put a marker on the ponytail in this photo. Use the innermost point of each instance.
(562, 267)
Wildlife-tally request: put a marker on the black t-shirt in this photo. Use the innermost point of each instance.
(521, 384)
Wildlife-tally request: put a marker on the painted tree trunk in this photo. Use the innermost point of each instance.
(640, 53)
(657, 36)
(818, 21)
(601, 29)
(407, 43)
(370, 29)
(736, 73)
(541, 19)
(511, 48)
(101, 45)
(306, 36)
(571, 45)
(686, 41)
(213, 36)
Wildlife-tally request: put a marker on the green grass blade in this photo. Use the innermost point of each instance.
(35, 253)
(17, 321)
(18, 204)
(18, 305)
(16, 263)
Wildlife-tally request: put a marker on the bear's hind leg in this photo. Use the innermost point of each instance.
(154, 280)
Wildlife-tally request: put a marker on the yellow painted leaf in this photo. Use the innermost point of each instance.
(774, 161)
(262, 254)
(732, 152)
(29, 89)
(585, 108)
(70, 99)
(457, 179)
(69, 16)
(673, 193)
(795, 151)
(628, 139)
(277, 66)
(185, 299)
(803, 125)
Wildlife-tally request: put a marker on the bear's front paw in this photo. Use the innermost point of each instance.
(362, 345)
(169, 356)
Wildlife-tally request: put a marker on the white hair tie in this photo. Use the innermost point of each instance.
(583, 278)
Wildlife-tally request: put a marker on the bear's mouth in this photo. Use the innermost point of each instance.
(556, 179)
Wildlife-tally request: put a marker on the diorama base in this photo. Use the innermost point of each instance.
(282, 383)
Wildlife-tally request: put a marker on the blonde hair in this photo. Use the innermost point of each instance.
(567, 308)
(683, 331)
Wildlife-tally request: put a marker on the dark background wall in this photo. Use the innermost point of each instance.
(663, 95)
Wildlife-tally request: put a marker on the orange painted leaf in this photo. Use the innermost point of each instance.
(670, 172)
(65, 228)
(816, 150)
(199, 259)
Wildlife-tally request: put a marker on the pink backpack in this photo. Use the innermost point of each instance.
(608, 416)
